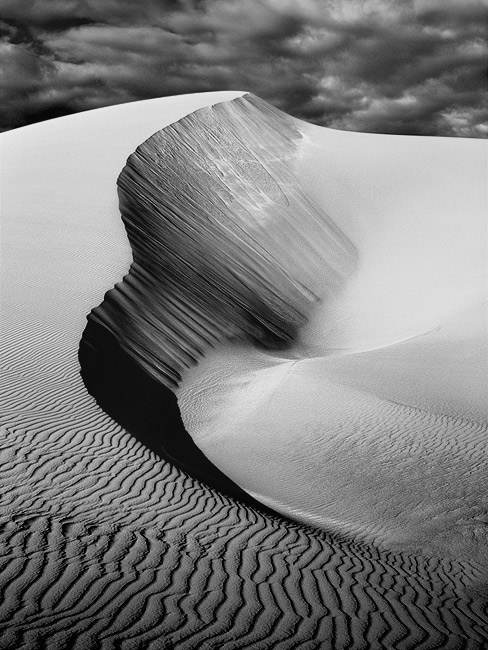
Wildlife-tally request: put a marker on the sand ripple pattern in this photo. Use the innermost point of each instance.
(107, 546)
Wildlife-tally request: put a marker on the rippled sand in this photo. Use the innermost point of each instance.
(107, 545)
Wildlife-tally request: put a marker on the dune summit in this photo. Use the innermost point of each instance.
(258, 273)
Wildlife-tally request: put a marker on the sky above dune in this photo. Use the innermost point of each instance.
(385, 66)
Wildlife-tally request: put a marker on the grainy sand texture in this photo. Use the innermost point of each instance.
(315, 300)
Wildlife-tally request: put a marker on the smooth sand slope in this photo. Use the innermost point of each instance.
(107, 545)
(376, 423)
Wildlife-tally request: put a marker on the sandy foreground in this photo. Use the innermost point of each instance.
(109, 546)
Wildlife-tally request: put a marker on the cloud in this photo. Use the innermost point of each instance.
(415, 66)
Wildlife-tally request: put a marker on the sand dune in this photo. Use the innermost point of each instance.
(107, 545)
(376, 423)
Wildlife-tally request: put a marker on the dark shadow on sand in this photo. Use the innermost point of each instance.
(146, 409)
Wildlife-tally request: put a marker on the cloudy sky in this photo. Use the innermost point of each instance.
(388, 66)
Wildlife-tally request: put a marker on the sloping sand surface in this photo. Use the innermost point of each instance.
(375, 423)
(106, 545)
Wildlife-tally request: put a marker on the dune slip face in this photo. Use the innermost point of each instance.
(106, 544)
(224, 241)
(224, 245)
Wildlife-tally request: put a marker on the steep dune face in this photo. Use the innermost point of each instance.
(225, 242)
(106, 544)
(210, 205)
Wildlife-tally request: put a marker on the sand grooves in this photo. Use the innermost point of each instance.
(198, 200)
(106, 545)
(218, 249)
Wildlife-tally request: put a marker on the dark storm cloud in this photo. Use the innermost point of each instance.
(415, 66)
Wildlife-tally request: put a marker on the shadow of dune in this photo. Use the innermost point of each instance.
(146, 408)
(224, 245)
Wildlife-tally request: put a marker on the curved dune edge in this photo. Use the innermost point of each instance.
(107, 545)
(198, 199)
(227, 245)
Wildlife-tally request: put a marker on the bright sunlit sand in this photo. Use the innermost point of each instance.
(376, 425)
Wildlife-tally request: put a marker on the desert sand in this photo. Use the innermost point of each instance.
(108, 545)
(370, 427)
